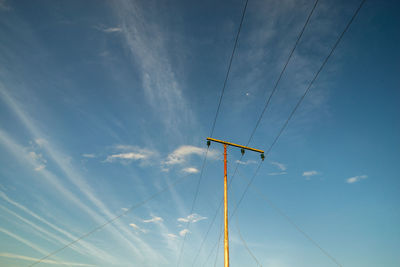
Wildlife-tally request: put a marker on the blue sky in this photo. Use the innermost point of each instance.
(104, 103)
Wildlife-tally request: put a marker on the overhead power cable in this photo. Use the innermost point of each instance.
(133, 207)
(282, 71)
(214, 217)
(244, 243)
(213, 249)
(246, 246)
(217, 253)
(214, 122)
(262, 113)
(289, 118)
(294, 110)
(316, 75)
(229, 67)
(241, 198)
(289, 220)
(193, 204)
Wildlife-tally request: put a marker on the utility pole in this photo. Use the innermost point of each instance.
(242, 149)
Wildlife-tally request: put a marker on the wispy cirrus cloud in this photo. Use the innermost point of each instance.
(53, 182)
(192, 218)
(108, 29)
(309, 174)
(281, 166)
(147, 37)
(76, 178)
(190, 170)
(136, 227)
(111, 29)
(24, 241)
(128, 153)
(83, 247)
(247, 162)
(26, 258)
(155, 219)
(355, 179)
(182, 153)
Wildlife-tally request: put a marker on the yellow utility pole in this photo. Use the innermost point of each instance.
(226, 239)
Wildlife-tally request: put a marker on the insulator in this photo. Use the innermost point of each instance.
(242, 151)
(208, 143)
(262, 156)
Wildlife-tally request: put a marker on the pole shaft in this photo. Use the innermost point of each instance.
(226, 239)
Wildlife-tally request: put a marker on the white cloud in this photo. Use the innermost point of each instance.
(112, 29)
(192, 218)
(308, 174)
(40, 142)
(108, 29)
(184, 232)
(277, 173)
(154, 220)
(136, 227)
(40, 162)
(356, 179)
(39, 168)
(130, 153)
(190, 170)
(172, 236)
(180, 155)
(281, 166)
(246, 162)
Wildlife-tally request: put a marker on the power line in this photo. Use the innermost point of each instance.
(287, 218)
(244, 243)
(215, 118)
(216, 254)
(193, 204)
(279, 211)
(230, 217)
(214, 217)
(207, 232)
(246, 246)
(306, 91)
(229, 67)
(262, 113)
(316, 75)
(219, 243)
(220, 233)
(111, 220)
(283, 70)
(294, 110)
(213, 248)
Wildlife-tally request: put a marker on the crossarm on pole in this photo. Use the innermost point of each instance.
(236, 145)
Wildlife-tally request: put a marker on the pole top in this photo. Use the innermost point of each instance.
(236, 145)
